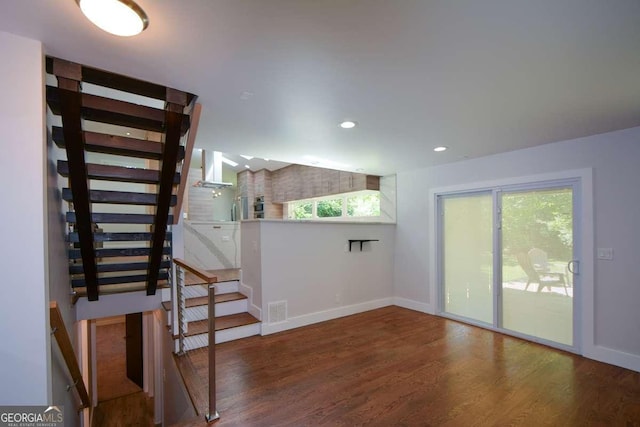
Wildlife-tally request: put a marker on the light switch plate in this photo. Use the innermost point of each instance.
(605, 253)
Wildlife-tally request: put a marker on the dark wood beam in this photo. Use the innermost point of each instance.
(173, 122)
(71, 105)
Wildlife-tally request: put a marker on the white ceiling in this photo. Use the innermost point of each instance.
(480, 77)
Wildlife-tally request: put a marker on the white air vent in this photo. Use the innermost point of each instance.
(277, 311)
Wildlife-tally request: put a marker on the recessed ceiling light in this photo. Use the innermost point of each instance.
(246, 157)
(247, 166)
(348, 124)
(118, 17)
(439, 149)
(266, 160)
(229, 162)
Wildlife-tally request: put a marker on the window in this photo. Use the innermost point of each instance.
(329, 208)
(302, 209)
(360, 204)
(364, 205)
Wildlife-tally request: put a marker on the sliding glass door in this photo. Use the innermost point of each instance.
(528, 288)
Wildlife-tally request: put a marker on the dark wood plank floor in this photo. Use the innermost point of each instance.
(396, 367)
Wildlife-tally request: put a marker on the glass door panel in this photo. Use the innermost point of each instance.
(467, 255)
(537, 246)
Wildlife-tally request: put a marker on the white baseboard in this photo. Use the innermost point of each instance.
(613, 357)
(422, 307)
(321, 316)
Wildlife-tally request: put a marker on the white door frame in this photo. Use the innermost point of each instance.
(584, 340)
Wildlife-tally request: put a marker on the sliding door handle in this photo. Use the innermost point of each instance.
(573, 266)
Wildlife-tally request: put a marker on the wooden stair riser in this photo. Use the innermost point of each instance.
(201, 312)
(226, 335)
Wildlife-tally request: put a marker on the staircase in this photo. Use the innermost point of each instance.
(124, 141)
(125, 144)
(233, 320)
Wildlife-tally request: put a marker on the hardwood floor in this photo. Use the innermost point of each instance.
(396, 367)
(132, 410)
(111, 362)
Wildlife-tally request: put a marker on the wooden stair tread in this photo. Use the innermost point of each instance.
(118, 173)
(118, 81)
(117, 237)
(117, 145)
(224, 322)
(220, 298)
(118, 252)
(117, 280)
(113, 111)
(116, 218)
(119, 197)
(117, 266)
(120, 288)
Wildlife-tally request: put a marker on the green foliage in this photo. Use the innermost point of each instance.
(303, 210)
(364, 205)
(329, 208)
(541, 219)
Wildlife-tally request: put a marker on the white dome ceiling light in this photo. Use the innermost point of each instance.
(119, 17)
(348, 124)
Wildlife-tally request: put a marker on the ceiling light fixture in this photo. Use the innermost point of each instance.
(440, 149)
(246, 157)
(119, 17)
(247, 166)
(348, 124)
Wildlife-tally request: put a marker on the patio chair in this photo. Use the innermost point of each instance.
(542, 278)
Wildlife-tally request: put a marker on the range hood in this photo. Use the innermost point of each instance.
(212, 171)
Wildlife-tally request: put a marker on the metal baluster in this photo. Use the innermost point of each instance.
(213, 410)
(182, 324)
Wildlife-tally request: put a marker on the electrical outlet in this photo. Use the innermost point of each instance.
(605, 253)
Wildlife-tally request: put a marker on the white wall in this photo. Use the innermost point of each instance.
(58, 279)
(614, 158)
(251, 260)
(25, 352)
(309, 265)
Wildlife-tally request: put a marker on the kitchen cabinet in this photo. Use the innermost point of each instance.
(296, 182)
(350, 181)
(330, 182)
